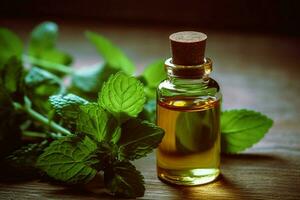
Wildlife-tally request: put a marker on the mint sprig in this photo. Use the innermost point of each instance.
(77, 158)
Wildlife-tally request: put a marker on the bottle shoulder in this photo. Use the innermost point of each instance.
(204, 89)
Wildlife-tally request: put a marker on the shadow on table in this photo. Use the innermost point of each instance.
(78, 193)
(222, 188)
(251, 157)
(228, 186)
(93, 189)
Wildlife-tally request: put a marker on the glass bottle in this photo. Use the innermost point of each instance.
(188, 109)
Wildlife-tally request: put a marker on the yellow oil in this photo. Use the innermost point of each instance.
(189, 153)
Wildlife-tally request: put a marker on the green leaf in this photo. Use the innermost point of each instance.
(42, 47)
(70, 159)
(12, 75)
(40, 85)
(123, 96)
(37, 77)
(10, 45)
(56, 68)
(20, 164)
(155, 73)
(122, 179)
(96, 122)
(67, 106)
(138, 138)
(242, 128)
(55, 56)
(110, 53)
(43, 37)
(24, 158)
(88, 81)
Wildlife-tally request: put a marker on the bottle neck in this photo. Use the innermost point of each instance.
(183, 74)
(187, 81)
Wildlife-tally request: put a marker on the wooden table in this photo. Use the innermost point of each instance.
(256, 71)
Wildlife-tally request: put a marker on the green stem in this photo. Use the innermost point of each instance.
(54, 126)
(34, 134)
(48, 65)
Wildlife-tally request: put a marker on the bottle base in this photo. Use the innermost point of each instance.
(188, 177)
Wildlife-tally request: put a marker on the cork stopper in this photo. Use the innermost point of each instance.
(188, 47)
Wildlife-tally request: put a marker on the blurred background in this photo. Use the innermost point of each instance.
(254, 44)
(280, 16)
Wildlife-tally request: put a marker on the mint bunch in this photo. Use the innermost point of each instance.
(107, 137)
(71, 132)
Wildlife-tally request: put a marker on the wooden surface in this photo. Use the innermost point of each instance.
(255, 71)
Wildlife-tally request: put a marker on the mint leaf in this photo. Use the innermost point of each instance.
(97, 123)
(24, 158)
(123, 96)
(37, 76)
(40, 85)
(10, 45)
(67, 106)
(88, 81)
(110, 53)
(70, 159)
(20, 164)
(43, 37)
(138, 138)
(242, 128)
(43, 51)
(57, 68)
(122, 179)
(155, 73)
(12, 75)
(43, 44)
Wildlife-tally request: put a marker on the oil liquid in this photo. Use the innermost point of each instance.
(189, 153)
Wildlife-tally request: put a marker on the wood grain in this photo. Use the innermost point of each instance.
(259, 72)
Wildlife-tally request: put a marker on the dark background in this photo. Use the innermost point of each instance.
(277, 16)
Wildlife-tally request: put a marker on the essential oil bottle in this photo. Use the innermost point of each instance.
(188, 109)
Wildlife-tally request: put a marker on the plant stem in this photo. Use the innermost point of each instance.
(34, 134)
(54, 126)
(48, 65)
